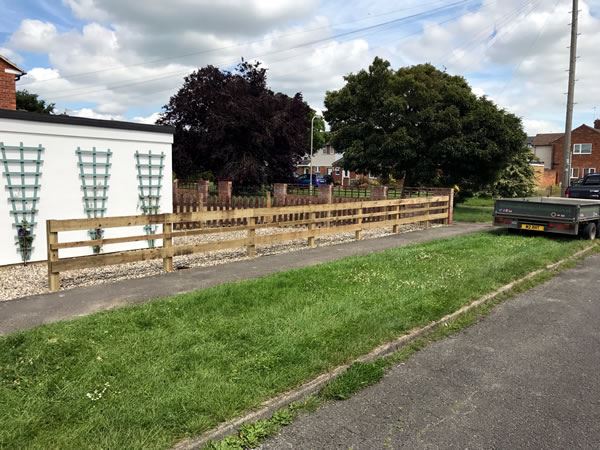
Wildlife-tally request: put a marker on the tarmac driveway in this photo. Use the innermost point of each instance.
(527, 376)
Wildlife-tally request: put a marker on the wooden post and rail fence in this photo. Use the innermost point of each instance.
(291, 223)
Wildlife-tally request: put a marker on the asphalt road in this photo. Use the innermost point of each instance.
(527, 376)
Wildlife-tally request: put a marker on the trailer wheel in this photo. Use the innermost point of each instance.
(589, 231)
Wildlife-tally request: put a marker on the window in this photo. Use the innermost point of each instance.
(372, 176)
(589, 171)
(337, 170)
(329, 171)
(582, 149)
(574, 172)
(316, 169)
(347, 173)
(306, 170)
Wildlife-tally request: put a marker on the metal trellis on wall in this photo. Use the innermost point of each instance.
(94, 172)
(150, 176)
(22, 170)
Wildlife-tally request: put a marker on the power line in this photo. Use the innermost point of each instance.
(310, 63)
(382, 25)
(530, 49)
(218, 49)
(484, 33)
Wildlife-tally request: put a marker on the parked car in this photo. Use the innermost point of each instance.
(317, 180)
(588, 187)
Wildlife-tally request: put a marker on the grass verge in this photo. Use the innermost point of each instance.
(147, 376)
(363, 374)
(475, 209)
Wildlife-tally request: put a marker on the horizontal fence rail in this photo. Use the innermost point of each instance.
(296, 222)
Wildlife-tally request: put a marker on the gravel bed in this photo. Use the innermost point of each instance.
(19, 281)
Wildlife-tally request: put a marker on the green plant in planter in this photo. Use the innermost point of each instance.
(24, 240)
(96, 233)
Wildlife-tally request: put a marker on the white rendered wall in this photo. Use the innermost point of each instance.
(61, 194)
(544, 152)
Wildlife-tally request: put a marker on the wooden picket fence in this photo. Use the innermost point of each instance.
(296, 222)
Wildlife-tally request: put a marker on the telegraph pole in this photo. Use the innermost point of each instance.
(570, 95)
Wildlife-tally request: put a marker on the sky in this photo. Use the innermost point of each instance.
(122, 60)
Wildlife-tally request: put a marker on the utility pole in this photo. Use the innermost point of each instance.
(570, 96)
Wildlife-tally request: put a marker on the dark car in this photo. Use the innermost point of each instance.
(317, 180)
(588, 187)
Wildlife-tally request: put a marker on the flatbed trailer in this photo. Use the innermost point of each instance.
(572, 216)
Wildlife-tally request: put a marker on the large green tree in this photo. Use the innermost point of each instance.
(232, 125)
(28, 101)
(423, 125)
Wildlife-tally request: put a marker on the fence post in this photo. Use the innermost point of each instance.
(251, 246)
(397, 216)
(450, 206)
(359, 220)
(311, 226)
(53, 277)
(167, 229)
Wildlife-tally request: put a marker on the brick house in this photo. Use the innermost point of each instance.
(585, 159)
(326, 161)
(585, 152)
(10, 73)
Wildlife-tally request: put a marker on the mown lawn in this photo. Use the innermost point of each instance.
(147, 376)
(475, 209)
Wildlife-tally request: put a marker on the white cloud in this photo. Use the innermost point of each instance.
(11, 55)
(33, 36)
(120, 67)
(90, 113)
(127, 56)
(151, 119)
(533, 126)
(518, 55)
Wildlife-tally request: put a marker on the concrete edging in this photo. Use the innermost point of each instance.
(271, 406)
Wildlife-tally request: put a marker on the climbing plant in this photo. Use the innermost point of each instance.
(94, 172)
(150, 176)
(23, 170)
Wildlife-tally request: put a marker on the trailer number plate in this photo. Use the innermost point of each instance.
(526, 226)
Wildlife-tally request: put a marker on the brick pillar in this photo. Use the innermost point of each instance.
(326, 193)
(202, 187)
(224, 188)
(280, 193)
(379, 192)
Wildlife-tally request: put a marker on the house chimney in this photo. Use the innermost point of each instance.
(9, 74)
(597, 124)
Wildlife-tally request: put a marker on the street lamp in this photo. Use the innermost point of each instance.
(312, 124)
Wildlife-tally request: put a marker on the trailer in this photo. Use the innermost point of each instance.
(570, 216)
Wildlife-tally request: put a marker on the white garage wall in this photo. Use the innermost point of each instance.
(61, 194)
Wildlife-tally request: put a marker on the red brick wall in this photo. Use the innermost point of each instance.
(581, 135)
(8, 99)
(544, 177)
